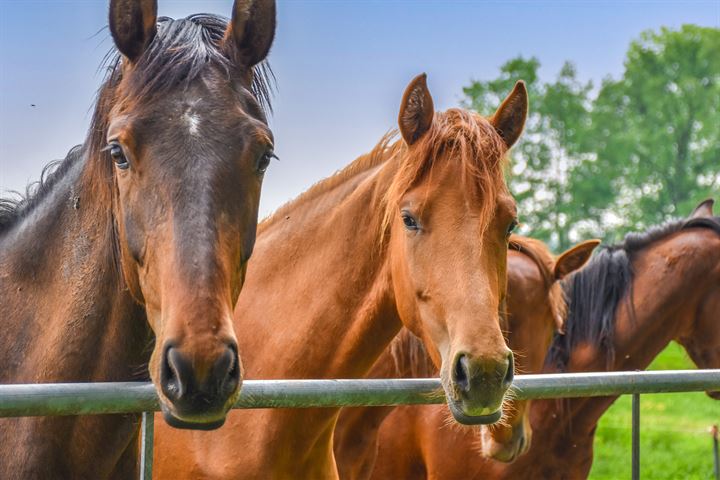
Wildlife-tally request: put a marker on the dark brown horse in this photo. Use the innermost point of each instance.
(535, 309)
(128, 258)
(625, 306)
(413, 234)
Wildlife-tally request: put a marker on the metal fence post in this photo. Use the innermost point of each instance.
(146, 453)
(716, 455)
(636, 436)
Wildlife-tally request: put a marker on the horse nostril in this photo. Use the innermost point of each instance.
(227, 370)
(170, 376)
(461, 371)
(510, 372)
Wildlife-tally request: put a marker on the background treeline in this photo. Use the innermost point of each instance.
(629, 153)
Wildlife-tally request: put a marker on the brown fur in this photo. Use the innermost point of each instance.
(462, 135)
(468, 139)
(324, 298)
(534, 301)
(675, 296)
(101, 266)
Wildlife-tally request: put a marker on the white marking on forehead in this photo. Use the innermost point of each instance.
(191, 117)
(192, 120)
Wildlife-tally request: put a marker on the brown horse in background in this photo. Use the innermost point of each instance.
(535, 309)
(141, 234)
(625, 307)
(391, 240)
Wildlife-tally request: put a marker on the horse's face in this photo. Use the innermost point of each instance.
(536, 310)
(448, 286)
(188, 165)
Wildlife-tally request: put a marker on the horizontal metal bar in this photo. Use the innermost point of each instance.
(602, 384)
(46, 399)
(339, 393)
(91, 398)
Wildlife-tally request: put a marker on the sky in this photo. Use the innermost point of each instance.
(341, 67)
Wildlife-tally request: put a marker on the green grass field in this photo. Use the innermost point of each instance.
(674, 438)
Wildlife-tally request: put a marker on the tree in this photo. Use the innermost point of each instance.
(550, 146)
(644, 149)
(655, 132)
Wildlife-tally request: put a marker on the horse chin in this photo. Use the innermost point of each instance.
(714, 394)
(199, 424)
(505, 455)
(461, 417)
(504, 452)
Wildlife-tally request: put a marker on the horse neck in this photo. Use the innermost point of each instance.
(67, 317)
(325, 268)
(663, 303)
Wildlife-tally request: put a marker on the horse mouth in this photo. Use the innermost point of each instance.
(714, 394)
(191, 424)
(465, 419)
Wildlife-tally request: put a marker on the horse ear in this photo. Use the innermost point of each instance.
(705, 209)
(133, 25)
(251, 31)
(574, 258)
(416, 110)
(509, 119)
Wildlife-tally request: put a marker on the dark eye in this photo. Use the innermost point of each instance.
(118, 155)
(409, 221)
(264, 161)
(511, 228)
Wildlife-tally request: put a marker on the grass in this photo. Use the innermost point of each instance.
(674, 431)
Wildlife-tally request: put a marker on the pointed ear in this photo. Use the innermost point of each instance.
(133, 25)
(416, 110)
(574, 258)
(509, 119)
(705, 209)
(251, 31)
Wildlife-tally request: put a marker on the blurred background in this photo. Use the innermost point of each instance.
(624, 128)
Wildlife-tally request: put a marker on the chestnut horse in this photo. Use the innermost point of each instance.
(535, 309)
(625, 306)
(133, 250)
(391, 240)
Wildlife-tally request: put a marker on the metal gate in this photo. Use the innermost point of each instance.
(134, 397)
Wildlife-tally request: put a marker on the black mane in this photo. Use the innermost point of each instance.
(178, 53)
(595, 292)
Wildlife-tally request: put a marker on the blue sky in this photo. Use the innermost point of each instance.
(341, 67)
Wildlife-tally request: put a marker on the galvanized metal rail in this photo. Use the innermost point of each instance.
(103, 398)
(97, 398)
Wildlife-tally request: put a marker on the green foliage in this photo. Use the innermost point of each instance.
(540, 161)
(642, 149)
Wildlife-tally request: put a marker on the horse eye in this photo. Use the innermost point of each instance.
(409, 221)
(264, 161)
(118, 156)
(511, 228)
